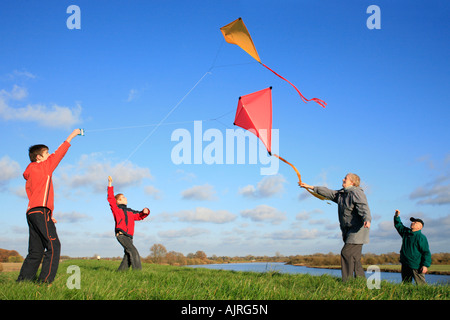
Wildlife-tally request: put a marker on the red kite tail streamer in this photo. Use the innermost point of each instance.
(319, 101)
(299, 177)
(293, 167)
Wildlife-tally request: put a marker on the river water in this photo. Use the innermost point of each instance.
(286, 268)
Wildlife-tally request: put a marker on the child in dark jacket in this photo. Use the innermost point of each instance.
(124, 218)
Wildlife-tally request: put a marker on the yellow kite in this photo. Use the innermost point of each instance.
(236, 33)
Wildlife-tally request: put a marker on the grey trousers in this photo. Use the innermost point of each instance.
(351, 261)
(131, 256)
(408, 274)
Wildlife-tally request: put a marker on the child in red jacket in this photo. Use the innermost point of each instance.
(43, 240)
(124, 218)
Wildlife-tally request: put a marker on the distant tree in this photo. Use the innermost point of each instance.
(15, 259)
(6, 254)
(440, 258)
(175, 258)
(200, 255)
(190, 255)
(158, 252)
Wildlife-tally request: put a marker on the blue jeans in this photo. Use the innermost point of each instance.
(131, 256)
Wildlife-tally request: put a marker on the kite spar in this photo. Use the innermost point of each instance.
(236, 33)
(254, 113)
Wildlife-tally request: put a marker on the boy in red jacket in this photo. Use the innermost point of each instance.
(43, 241)
(124, 218)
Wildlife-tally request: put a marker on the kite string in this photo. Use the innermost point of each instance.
(217, 54)
(139, 126)
(176, 106)
(158, 125)
(166, 116)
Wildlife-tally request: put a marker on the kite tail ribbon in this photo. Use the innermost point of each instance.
(299, 177)
(319, 101)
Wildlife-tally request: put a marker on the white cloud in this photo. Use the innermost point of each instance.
(71, 217)
(205, 192)
(201, 214)
(182, 233)
(92, 172)
(152, 191)
(264, 213)
(17, 93)
(436, 194)
(435, 229)
(303, 234)
(185, 176)
(305, 215)
(132, 95)
(267, 187)
(20, 75)
(437, 191)
(9, 169)
(19, 191)
(54, 116)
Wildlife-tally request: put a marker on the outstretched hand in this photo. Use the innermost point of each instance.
(304, 185)
(74, 133)
(109, 181)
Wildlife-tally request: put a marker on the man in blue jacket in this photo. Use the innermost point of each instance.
(415, 255)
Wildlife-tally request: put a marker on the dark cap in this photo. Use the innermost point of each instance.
(417, 220)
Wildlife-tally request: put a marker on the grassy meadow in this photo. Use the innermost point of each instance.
(99, 280)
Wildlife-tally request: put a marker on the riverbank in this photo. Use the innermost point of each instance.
(434, 269)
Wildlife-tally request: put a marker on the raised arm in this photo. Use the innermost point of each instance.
(74, 133)
(398, 223)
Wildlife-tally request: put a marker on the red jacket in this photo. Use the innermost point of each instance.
(39, 186)
(124, 216)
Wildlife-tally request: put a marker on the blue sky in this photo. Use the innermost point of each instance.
(136, 64)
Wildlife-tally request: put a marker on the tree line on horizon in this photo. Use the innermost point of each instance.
(160, 255)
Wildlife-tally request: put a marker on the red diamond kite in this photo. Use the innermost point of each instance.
(254, 113)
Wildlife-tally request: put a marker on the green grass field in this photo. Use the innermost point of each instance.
(99, 280)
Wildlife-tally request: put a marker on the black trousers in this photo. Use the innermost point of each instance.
(43, 243)
(351, 261)
(131, 256)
